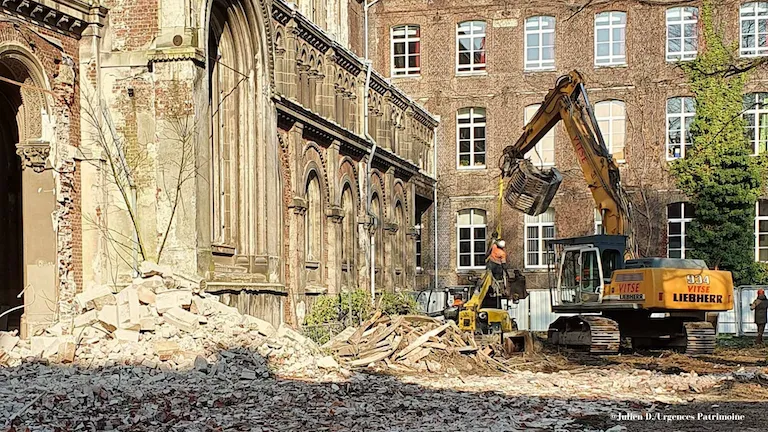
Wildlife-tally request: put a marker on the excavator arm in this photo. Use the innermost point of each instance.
(531, 190)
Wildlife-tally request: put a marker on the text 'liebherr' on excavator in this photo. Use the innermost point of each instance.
(656, 302)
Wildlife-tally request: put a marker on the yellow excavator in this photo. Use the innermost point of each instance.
(653, 302)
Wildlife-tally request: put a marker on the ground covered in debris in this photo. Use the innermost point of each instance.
(162, 355)
(241, 390)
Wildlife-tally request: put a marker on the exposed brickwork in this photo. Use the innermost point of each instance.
(60, 69)
(133, 23)
(643, 85)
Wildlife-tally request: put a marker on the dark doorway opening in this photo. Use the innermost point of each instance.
(11, 236)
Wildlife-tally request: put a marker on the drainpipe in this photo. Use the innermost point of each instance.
(373, 217)
(365, 10)
(434, 201)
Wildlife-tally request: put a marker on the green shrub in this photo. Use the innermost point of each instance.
(397, 304)
(331, 314)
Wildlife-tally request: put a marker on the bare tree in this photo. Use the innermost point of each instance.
(128, 168)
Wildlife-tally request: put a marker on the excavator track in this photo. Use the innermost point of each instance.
(599, 334)
(700, 338)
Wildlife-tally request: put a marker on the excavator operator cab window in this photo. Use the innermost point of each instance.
(590, 272)
(580, 276)
(611, 259)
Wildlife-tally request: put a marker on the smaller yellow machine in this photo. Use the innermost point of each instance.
(482, 313)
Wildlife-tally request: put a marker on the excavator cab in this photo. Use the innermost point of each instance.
(584, 266)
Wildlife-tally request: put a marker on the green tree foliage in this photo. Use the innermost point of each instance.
(332, 314)
(718, 173)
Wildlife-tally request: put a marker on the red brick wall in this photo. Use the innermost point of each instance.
(133, 23)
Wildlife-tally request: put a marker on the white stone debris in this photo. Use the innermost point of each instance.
(159, 321)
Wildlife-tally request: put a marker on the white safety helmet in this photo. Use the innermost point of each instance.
(501, 243)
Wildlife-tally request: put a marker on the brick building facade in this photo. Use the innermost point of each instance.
(226, 138)
(483, 68)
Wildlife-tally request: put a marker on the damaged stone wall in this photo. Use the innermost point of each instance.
(53, 267)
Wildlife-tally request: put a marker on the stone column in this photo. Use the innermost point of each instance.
(289, 61)
(39, 236)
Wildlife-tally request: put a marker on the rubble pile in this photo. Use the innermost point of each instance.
(165, 321)
(408, 343)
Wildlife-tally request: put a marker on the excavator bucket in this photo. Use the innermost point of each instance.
(531, 189)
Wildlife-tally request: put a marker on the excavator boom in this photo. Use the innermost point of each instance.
(531, 189)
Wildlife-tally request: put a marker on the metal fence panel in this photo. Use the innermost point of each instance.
(535, 312)
(726, 322)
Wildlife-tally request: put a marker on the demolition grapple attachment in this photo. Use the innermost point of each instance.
(530, 189)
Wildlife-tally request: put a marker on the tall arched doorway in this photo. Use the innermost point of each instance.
(28, 253)
(11, 241)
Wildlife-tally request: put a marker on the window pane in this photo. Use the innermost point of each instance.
(532, 54)
(464, 247)
(464, 233)
(674, 228)
(479, 245)
(532, 39)
(763, 225)
(688, 211)
(478, 218)
(674, 211)
(464, 219)
(674, 31)
(675, 242)
(464, 261)
(763, 208)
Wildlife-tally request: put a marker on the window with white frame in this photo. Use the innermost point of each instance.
(540, 43)
(471, 137)
(406, 50)
(756, 117)
(682, 33)
(754, 29)
(543, 154)
(612, 119)
(470, 47)
(610, 41)
(471, 238)
(539, 229)
(680, 113)
(598, 222)
(761, 231)
(679, 215)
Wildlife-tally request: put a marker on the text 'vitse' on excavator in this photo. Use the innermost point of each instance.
(654, 302)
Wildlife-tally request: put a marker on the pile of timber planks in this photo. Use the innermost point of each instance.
(403, 340)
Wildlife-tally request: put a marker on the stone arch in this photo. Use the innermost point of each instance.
(314, 157)
(348, 175)
(399, 194)
(28, 262)
(314, 226)
(377, 184)
(260, 23)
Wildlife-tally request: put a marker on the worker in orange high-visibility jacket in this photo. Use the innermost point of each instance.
(497, 260)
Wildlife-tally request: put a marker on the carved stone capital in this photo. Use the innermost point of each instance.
(299, 206)
(33, 155)
(391, 228)
(335, 214)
